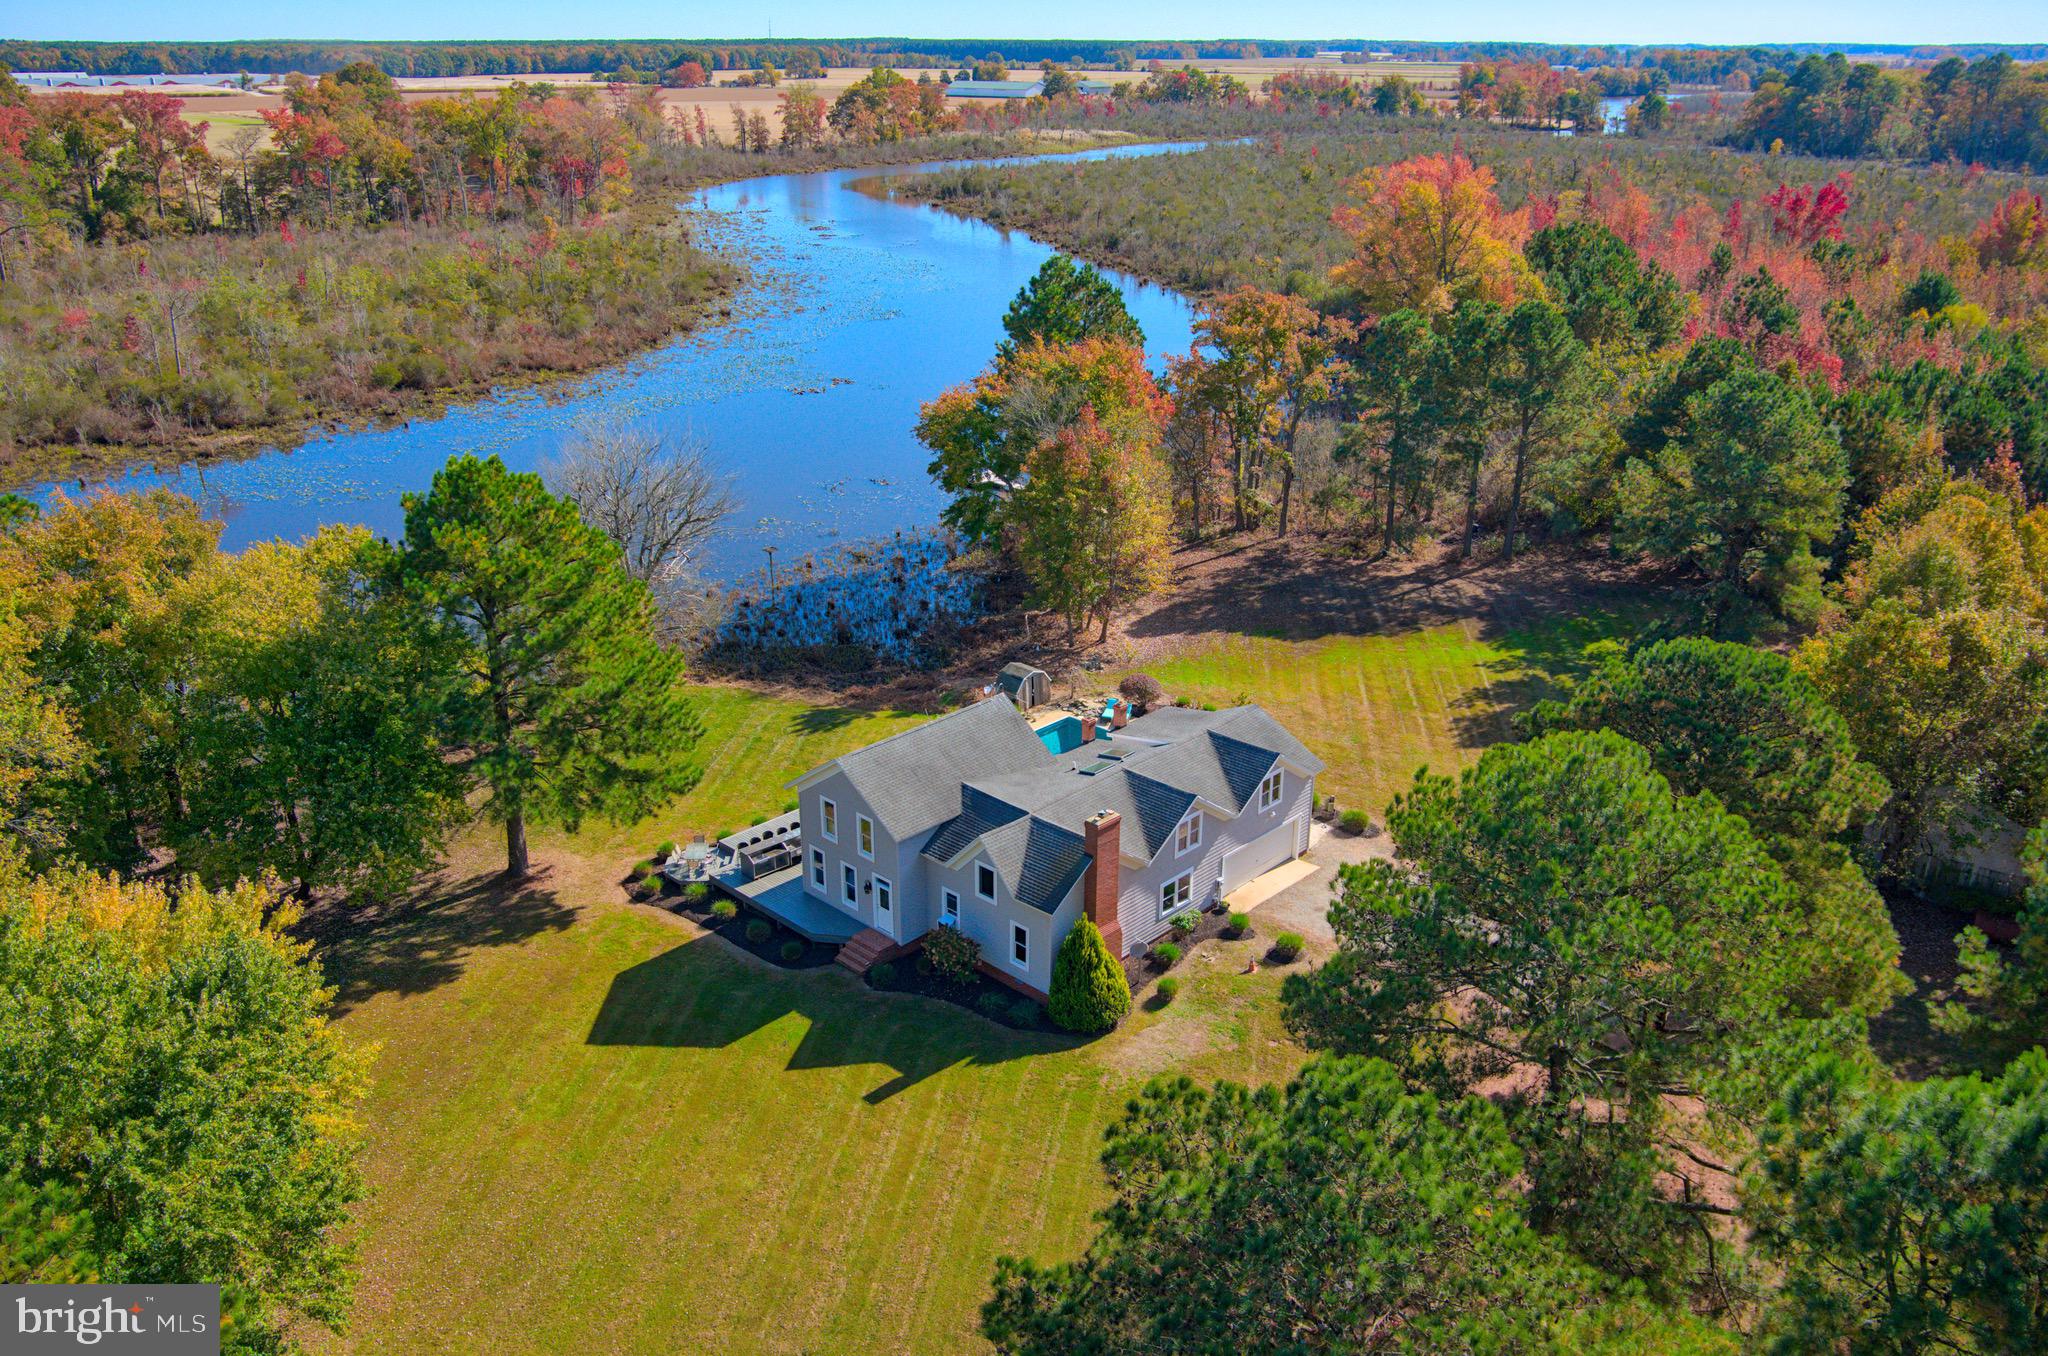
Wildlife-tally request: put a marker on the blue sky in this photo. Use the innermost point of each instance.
(1844, 21)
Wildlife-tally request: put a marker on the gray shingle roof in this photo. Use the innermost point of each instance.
(1040, 861)
(911, 781)
(981, 776)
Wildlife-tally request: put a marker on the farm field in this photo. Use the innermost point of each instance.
(228, 108)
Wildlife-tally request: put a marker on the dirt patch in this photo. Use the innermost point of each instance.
(1904, 1035)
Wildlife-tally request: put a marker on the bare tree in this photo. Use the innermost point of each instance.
(659, 498)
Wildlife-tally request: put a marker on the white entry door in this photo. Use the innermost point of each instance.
(1260, 855)
(885, 906)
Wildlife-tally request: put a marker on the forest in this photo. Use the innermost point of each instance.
(1836, 433)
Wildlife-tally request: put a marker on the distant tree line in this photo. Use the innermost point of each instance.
(1684, 65)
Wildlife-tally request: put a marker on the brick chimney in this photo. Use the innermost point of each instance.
(1103, 838)
(1119, 713)
(1087, 729)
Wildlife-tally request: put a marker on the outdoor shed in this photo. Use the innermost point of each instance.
(1025, 686)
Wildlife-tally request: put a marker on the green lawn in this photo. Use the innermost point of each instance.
(608, 1133)
(752, 745)
(593, 1129)
(1378, 707)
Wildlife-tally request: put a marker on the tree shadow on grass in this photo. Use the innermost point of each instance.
(425, 940)
(699, 995)
(1535, 661)
(818, 720)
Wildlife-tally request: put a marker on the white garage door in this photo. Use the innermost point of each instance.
(1260, 855)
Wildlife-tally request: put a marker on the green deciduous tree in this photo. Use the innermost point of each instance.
(1945, 706)
(105, 597)
(314, 742)
(565, 702)
(1089, 992)
(981, 434)
(1909, 1218)
(1753, 483)
(1344, 1214)
(1561, 914)
(170, 1065)
(1064, 303)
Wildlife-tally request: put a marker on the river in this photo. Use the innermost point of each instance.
(858, 308)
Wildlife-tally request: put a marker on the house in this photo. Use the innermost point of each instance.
(976, 820)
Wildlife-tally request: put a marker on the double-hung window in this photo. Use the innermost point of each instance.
(849, 884)
(1188, 836)
(1269, 790)
(818, 867)
(1176, 894)
(985, 881)
(949, 908)
(864, 836)
(1020, 946)
(828, 815)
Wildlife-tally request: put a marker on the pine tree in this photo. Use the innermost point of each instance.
(566, 702)
(1089, 991)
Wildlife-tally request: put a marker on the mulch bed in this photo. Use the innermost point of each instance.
(734, 929)
(1007, 1007)
(1143, 973)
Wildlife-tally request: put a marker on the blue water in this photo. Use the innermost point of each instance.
(858, 309)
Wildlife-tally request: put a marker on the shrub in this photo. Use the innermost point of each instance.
(1142, 687)
(697, 892)
(724, 909)
(952, 952)
(792, 951)
(1288, 945)
(1354, 821)
(1026, 1012)
(1166, 955)
(666, 850)
(1182, 701)
(757, 819)
(651, 882)
(883, 974)
(1089, 992)
(759, 930)
(993, 1003)
(1240, 923)
(1168, 987)
(1186, 923)
(1208, 706)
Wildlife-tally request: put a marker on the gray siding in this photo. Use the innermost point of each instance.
(895, 862)
(989, 924)
(1138, 890)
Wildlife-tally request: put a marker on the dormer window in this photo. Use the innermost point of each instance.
(1188, 836)
(1269, 790)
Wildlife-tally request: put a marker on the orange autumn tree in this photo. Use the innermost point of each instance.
(1430, 233)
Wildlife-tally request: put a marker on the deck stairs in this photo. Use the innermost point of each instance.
(867, 947)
